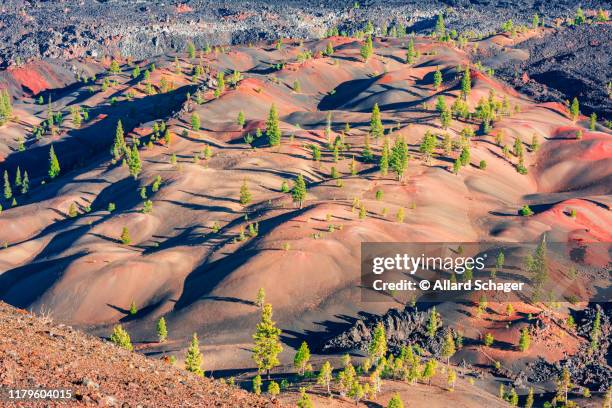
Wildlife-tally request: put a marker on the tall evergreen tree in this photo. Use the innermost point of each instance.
(261, 298)
(376, 127)
(378, 346)
(245, 194)
(162, 331)
(240, 120)
(432, 323)
(25, 183)
(119, 147)
(267, 342)
(301, 359)
(299, 190)
(367, 49)
(54, 167)
(440, 29)
(575, 109)
(191, 51)
(448, 348)
(437, 79)
(529, 400)
(195, 122)
(272, 127)
(134, 163)
(8, 191)
(466, 83)
(410, 53)
(524, 340)
(193, 358)
(384, 158)
(18, 177)
(325, 376)
(399, 158)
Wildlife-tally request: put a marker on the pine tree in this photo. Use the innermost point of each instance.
(378, 346)
(580, 18)
(410, 53)
(18, 180)
(535, 22)
(529, 400)
(395, 402)
(302, 356)
(273, 388)
(221, 82)
(304, 401)
(399, 157)
(367, 49)
(257, 384)
(121, 338)
(376, 127)
(162, 331)
(240, 120)
(299, 190)
(451, 379)
(125, 236)
(191, 51)
(448, 348)
(440, 29)
(261, 298)
(134, 163)
(25, 183)
(428, 145)
(119, 147)
(147, 207)
(6, 108)
(524, 340)
(267, 342)
(437, 79)
(429, 371)
(384, 158)
(456, 166)
(432, 323)
(8, 191)
(272, 127)
(513, 399)
(114, 67)
(54, 167)
(133, 308)
(602, 16)
(367, 155)
(466, 83)
(575, 109)
(592, 121)
(399, 217)
(195, 122)
(193, 358)
(329, 50)
(72, 211)
(325, 376)
(464, 157)
(245, 194)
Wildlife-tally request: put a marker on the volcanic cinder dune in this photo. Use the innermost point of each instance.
(187, 260)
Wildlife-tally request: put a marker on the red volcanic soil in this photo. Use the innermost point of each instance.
(29, 78)
(47, 355)
(195, 258)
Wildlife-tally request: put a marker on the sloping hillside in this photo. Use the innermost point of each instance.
(36, 353)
